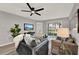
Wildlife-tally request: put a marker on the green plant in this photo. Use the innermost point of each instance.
(15, 30)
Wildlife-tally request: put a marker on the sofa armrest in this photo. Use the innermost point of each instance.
(42, 48)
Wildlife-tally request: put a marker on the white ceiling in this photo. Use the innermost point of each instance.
(51, 10)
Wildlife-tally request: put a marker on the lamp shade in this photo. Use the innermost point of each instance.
(63, 32)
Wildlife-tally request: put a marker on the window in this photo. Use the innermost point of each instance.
(52, 29)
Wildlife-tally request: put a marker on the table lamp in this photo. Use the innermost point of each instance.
(63, 33)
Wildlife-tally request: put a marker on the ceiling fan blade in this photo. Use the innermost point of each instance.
(39, 9)
(38, 14)
(29, 6)
(31, 14)
(25, 11)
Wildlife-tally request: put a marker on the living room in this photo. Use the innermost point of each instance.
(53, 16)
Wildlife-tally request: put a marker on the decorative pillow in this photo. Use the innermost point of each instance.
(30, 40)
(71, 40)
(58, 38)
(33, 43)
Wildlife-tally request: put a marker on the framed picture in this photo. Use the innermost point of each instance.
(28, 26)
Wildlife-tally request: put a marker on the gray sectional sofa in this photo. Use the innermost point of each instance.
(40, 49)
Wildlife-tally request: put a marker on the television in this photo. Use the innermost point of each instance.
(28, 26)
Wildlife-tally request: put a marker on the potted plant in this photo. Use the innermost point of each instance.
(15, 30)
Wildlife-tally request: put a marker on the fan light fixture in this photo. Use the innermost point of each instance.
(32, 10)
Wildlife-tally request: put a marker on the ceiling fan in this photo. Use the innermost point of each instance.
(32, 10)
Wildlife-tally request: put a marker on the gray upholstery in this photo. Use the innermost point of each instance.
(42, 48)
(24, 49)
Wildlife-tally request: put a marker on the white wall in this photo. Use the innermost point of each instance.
(73, 16)
(73, 21)
(7, 21)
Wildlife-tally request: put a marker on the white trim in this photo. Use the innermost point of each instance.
(6, 44)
